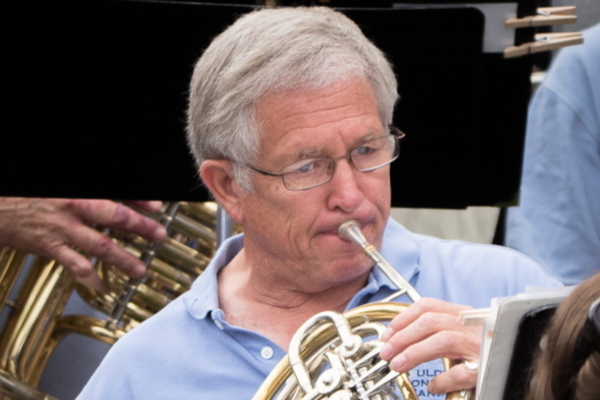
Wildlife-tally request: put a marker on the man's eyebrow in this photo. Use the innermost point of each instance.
(367, 137)
(370, 136)
(308, 153)
(304, 154)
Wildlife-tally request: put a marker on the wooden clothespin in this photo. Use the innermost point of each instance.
(545, 16)
(545, 42)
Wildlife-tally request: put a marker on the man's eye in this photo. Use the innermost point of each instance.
(307, 167)
(300, 167)
(364, 150)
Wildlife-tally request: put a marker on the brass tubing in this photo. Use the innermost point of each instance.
(319, 338)
(190, 228)
(172, 251)
(105, 302)
(11, 264)
(177, 280)
(14, 389)
(86, 326)
(35, 324)
(204, 213)
(191, 260)
(46, 291)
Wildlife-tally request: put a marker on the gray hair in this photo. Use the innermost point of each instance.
(273, 50)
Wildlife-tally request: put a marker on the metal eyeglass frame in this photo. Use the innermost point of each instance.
(397, 133)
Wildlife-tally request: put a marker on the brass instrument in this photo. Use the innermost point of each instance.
(42, 298)
(35, 323)
(336, 356)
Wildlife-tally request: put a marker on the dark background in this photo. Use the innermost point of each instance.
(94, 96)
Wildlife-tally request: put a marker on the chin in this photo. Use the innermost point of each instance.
(350, 268)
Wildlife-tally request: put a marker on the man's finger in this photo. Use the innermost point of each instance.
(118, 216)
(457, 378)
(424, 305)
(424, 326)
(444, 344)
(150, 206)
(98, 245)
(75, 262)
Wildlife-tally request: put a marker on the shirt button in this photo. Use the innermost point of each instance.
(219, 324)
(266, 353)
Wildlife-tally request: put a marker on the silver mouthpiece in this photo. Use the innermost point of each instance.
(350, 231)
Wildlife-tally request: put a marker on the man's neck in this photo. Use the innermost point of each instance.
(250, 301)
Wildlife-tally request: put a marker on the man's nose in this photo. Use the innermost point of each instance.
(345, 193)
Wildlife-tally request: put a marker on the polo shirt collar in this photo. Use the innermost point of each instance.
(399, 248)
(203, 297)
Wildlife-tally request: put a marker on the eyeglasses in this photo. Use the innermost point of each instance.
(368, 156)
(589, 338)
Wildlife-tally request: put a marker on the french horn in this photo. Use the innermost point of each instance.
(35, 323)
(336, 356)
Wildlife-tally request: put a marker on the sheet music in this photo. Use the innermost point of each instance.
(500, 332)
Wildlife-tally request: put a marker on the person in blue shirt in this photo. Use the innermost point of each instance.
(289, 120)
(557, 221)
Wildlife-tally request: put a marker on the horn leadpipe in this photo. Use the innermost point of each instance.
(350, 231)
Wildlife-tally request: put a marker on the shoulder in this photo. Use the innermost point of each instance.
(469, 273)
(492, 270)
(500, 260)
(588, 50)
(467, 253)
(575, 68)
(139, 363)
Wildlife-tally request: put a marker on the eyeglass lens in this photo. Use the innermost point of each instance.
(369, 156)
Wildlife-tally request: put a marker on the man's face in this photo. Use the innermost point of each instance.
(298, 229)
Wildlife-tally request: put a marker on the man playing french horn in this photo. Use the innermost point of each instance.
(289, 119)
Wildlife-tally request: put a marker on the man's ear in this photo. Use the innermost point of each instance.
(218, 176)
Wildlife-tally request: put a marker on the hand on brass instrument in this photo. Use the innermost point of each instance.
(428, 330)
(57, 228)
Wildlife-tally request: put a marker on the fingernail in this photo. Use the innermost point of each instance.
(139, 270)
(386, 352)
(398, 363)
(387, 334)
(155, 204)
(160, 233)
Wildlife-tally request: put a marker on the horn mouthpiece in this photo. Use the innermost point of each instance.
(350, 231)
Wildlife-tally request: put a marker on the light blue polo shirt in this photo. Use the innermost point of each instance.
(189, 351)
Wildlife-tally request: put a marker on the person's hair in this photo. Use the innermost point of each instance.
(554, 375)
(272, 50)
